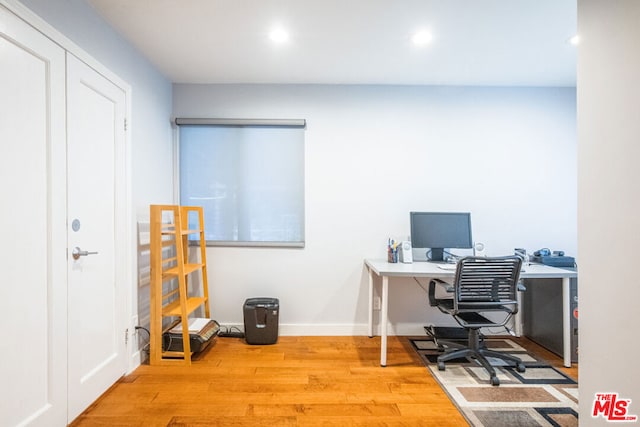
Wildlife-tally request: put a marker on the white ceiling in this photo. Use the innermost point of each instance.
(475, 42)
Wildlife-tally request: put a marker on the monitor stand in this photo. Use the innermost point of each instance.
(437, 254)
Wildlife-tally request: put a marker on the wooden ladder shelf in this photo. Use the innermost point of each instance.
(171, 226)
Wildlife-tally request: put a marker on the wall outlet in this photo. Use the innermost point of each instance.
(376, 303)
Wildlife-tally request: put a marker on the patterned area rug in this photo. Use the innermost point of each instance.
(541, 396)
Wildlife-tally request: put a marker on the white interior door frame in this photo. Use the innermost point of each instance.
(126, 230)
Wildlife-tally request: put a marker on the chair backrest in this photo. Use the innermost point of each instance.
(486, 282)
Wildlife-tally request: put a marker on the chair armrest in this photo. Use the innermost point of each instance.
(445, 285)
(433, 301)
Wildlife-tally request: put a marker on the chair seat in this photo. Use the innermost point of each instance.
(473, 319)
(470, 317)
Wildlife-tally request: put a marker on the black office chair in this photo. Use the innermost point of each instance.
(481, 285)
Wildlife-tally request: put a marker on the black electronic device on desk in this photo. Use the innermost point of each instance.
(553, 259)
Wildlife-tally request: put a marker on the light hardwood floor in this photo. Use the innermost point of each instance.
(299, 381)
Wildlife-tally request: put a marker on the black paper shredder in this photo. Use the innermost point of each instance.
(261, 320)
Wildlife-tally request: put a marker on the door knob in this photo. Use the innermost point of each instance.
(77, 253)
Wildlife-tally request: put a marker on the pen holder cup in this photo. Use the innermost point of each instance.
(392, 256)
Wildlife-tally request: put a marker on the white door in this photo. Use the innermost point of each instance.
(96, 202)
(33, 347)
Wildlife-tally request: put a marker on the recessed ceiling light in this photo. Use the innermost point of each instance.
(575, 40)
(421, 38)
(279, 35)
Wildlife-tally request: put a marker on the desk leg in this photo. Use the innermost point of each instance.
(370, 303)
(566, 321)
(384, 320)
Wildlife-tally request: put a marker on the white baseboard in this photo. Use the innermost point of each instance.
(332, 329)
(134, 361)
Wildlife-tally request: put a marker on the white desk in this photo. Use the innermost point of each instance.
(430, 270)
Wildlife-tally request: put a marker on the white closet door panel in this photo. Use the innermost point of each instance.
(95, 158)
(32, 226)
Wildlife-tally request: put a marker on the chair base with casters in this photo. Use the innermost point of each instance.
(476, 350)
(481, 285)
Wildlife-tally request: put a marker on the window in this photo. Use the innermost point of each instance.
(249, 178)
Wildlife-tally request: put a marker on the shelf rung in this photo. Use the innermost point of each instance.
(173, 308)
(169, 242)
(185, 232)
(174, 354)
(174, 271)
(168, 229)
(166, 260)
(170, 293)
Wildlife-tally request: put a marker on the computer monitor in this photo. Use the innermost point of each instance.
(433, 232)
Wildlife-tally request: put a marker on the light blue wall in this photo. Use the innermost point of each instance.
(374, 153)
